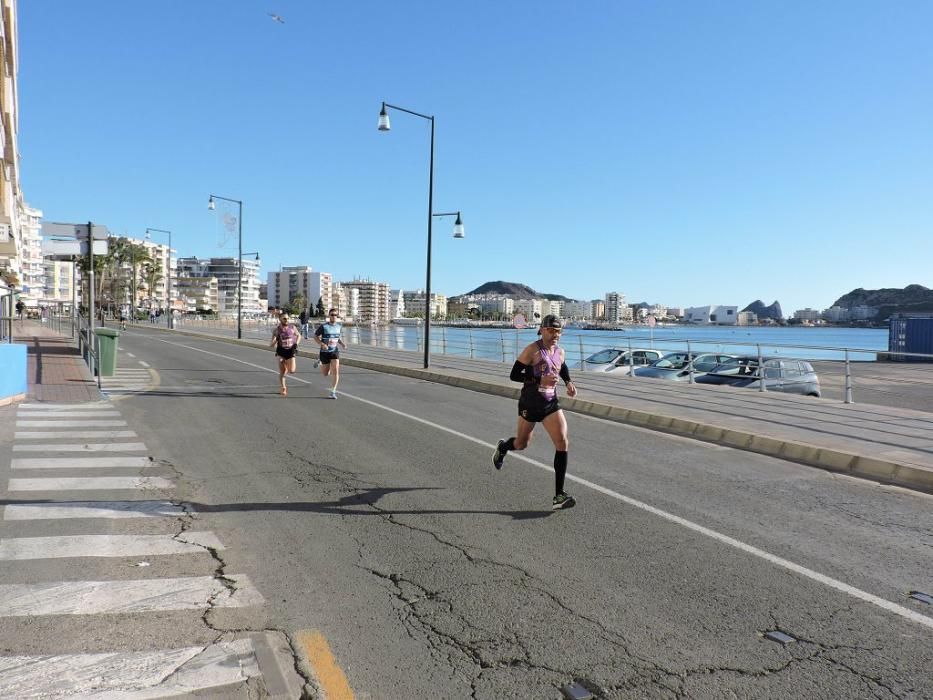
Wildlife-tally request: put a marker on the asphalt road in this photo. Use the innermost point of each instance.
(378, 521)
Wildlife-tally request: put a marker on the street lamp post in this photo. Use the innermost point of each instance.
(239, 267)
(168, 294)
(385, 126)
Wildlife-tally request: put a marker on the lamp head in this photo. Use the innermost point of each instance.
(384, 119)
(459, 231)
(210, 203)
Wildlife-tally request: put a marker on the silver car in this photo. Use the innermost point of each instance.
(676, 365)
(780, 374)
(617, 360)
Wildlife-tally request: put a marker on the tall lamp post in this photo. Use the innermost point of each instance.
(385, 126)
(168, 294)
(239, 267)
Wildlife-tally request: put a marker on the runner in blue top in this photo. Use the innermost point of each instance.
(328, 337)
(538, 368)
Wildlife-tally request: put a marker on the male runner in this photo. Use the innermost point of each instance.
(328, 337)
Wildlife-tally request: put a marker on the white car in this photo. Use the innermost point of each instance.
(616, 360)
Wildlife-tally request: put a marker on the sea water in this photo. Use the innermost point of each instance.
(811, 343)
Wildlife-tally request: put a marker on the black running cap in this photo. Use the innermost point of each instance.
(550, 321)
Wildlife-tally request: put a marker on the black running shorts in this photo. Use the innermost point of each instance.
(327, 356)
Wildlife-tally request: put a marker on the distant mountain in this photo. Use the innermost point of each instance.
(912, 298)
(758, 308)
(515, 290)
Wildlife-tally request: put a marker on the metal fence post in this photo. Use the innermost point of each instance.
(444, 339)
(689, 365)
(502, 343)
(631, 361)
(761, 371)
(582, 358)
(848, 380)
(471, 343)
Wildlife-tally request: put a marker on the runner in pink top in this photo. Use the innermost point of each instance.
(538, 368)
(285, 339)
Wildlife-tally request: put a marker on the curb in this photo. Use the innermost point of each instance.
(887, 472)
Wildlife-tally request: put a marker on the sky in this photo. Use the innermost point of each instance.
(709, 152)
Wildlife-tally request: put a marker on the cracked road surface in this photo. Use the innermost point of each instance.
(432, 574)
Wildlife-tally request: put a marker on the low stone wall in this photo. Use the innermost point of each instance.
(13, 386)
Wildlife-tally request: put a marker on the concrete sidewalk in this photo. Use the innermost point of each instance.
(886, 444)
(56, 371)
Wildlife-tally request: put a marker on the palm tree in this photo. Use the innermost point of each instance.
(139, 255)
(152, 274)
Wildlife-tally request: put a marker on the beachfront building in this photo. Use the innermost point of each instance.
(322, 292)
(746, 318)
(807, 315)
(197, 295)
(712, 315)
(414, 304)
(11, 196)
(835, 314)
(372, 301)
(530, 309)
(286, 285)
(32, 268)
(226, 271)
(598, 307)
(617, 311)
(578, 310)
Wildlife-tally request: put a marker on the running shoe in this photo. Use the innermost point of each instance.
(333, 394)
(562, 500)
(498, 455)
(317, 363)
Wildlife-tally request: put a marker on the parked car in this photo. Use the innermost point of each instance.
(616, 360)
(676, 365)
(780, 374)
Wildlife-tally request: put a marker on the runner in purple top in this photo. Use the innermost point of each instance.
(538, 368)
(285, 339)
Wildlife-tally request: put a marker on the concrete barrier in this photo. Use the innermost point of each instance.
(13, 368)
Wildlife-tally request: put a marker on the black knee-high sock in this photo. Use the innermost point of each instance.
(560, 470)
(508, 444)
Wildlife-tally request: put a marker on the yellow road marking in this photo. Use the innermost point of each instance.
(329, 675)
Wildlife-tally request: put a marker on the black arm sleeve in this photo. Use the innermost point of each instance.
(519, 372)
(564, 372)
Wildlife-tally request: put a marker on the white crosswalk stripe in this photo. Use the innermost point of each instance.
(98, 431)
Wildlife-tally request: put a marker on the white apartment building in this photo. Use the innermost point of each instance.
(32, 268)
(617, 311)
(836, 314)
(578, 310)
(747, 318)
(197, 294)
(373, 300)
(397, 303)
(322, 290)
(11, 197)
(346, 300)
(807, 314)
(287, 284)
(58, 282)
(226, 270)
(414, 304)
(713, 315)
(531, 309)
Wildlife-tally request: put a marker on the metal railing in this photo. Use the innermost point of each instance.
(88, 346)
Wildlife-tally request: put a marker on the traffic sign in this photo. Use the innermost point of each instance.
(60, 230)
(65, 250)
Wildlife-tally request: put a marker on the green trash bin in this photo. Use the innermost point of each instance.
(107, 344)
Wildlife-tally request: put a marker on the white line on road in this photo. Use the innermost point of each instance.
(93, 483)
(128, 675)
(80, 462)
(70, 414)
(26, 548)
(115, 597)
(111, 510)
(85, 447)
(46, 423)
(53, 434)
(129, 354)
(144, 364)
(99, 406)
(641, 505)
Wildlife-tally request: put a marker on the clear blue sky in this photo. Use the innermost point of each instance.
(684, 153)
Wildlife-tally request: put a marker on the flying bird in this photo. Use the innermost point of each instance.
(276, 18)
